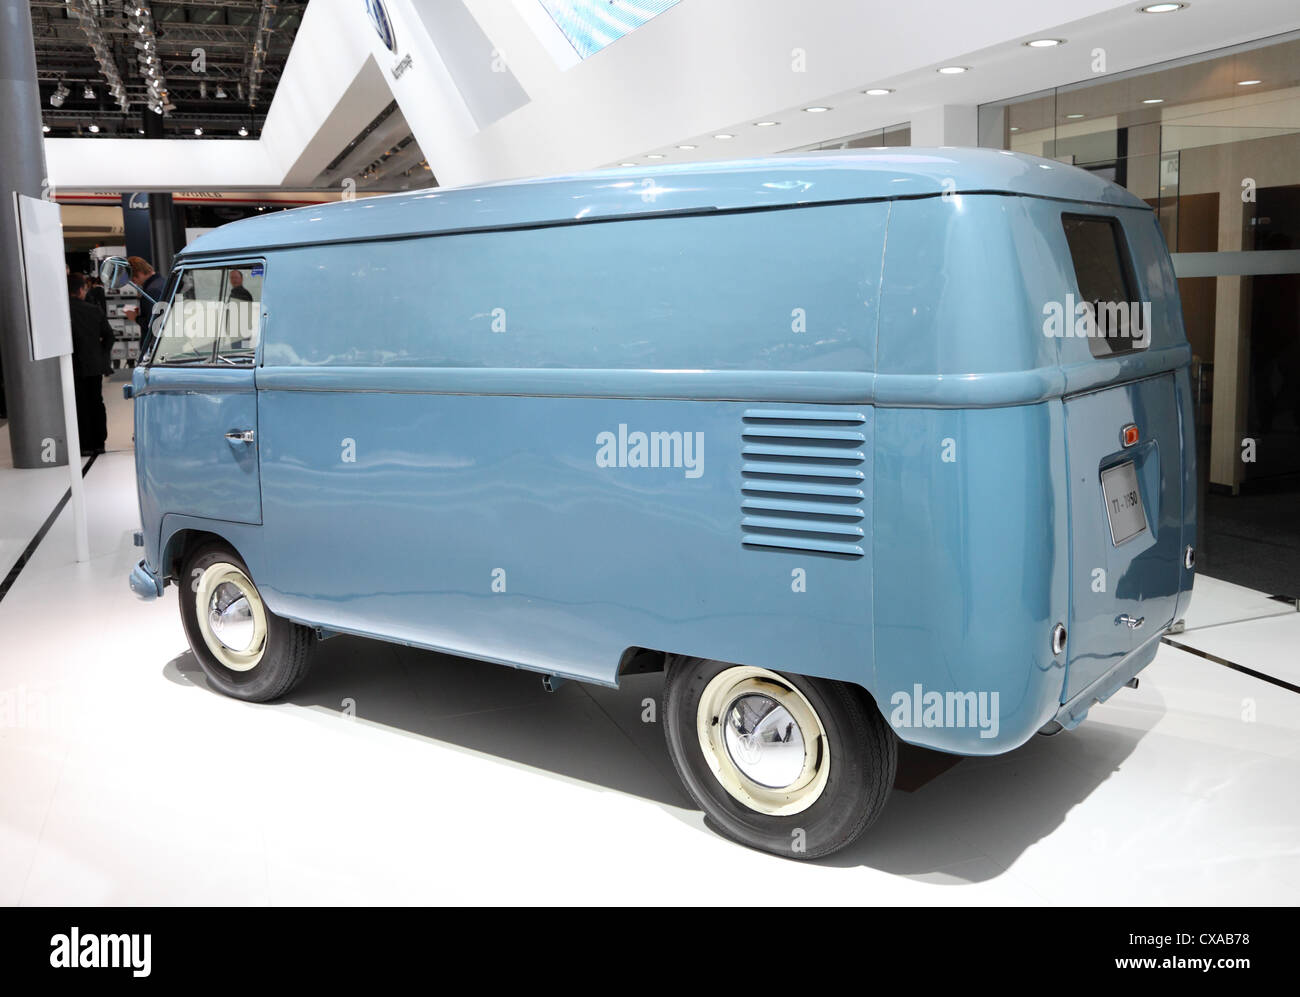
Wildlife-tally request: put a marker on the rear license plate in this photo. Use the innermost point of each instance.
(1119, 484)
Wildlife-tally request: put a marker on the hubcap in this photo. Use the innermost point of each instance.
(231, 616)
(763, 741)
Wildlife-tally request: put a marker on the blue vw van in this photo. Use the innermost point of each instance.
(854, 447)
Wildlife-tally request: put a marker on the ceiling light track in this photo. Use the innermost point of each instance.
(83, 12)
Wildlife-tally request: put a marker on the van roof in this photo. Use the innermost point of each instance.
(747, 184)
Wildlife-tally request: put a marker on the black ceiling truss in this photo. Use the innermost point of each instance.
(109, 63)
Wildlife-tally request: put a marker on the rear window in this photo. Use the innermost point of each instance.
(1105, 278)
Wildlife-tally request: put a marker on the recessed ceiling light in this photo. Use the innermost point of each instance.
(688, 147)
(878, 92)
(1045, 42)
(1014, 128)
(655, 155)
(627, 164)
(765, 124)
(1074, 115)
(1249, 83)
(723, 136)
(1162, 8)
(1154, 100)
(953, 70)
(816, 109)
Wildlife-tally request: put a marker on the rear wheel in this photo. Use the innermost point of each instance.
(245, 650)
(791, 765)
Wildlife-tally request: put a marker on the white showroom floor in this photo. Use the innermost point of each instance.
(399, 776)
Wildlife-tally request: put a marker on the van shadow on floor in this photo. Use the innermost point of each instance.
(612, 738)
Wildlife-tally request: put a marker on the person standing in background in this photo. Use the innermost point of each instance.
(151, 283)
(92, 351)
(95, 293)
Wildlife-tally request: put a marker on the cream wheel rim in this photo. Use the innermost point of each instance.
(231, 616)
(763, 741)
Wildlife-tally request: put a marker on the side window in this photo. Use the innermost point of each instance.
(215, 316)
(241, 321)
(1105, 277)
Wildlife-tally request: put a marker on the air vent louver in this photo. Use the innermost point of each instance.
(803, 481)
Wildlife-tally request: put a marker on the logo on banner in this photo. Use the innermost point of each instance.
(379, 18)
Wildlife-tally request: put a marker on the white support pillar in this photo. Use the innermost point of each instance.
(948, 124)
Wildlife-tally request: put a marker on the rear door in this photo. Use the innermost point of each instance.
(1125, 461)
(196, 402)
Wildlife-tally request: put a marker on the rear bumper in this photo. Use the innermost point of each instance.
(145, 583)
(1073, 713)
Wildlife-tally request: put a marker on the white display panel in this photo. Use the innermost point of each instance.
(40, 233)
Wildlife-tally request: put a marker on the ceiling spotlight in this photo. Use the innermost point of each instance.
(1045, 42)
(1014, 128)
(198, 131)
(45, 129)
(687, 147)
(59, 96)
(243, 132)
(878, 92)
(94, 129)
(723, 136)
(1249, 83)
(816, 109)
(1154, 100)
(203, 89)
(88, 92)
(221, 92)
(953, 70)
(1162, 8)
(140, 130)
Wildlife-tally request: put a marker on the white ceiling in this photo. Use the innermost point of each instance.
(704, 67)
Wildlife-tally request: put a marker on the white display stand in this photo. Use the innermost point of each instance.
(40, 239)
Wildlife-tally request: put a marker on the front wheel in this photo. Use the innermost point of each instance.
(795, 766)
(245, 650)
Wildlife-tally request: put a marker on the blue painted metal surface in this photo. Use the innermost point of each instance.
(860, 456)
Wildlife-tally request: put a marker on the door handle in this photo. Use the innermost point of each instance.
(1132, 622)
(241, 436)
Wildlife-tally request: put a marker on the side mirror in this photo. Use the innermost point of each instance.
(115, 272)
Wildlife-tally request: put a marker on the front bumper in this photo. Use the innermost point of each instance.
(145, 583)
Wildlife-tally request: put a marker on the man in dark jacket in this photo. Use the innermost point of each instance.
(144, 277)
(92, 351)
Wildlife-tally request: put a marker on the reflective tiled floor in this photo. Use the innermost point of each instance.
(401, 776)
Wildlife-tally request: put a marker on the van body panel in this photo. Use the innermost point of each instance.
(790, 290)
(971, 552)
(489, 525)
